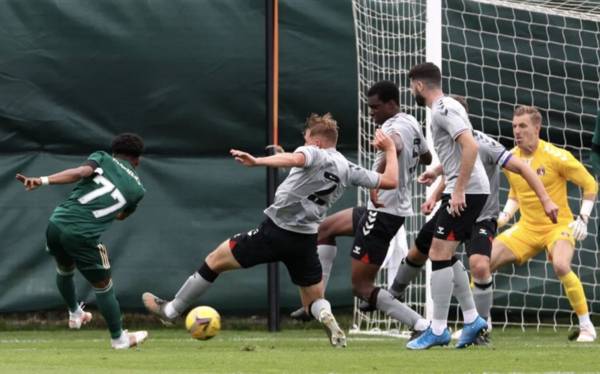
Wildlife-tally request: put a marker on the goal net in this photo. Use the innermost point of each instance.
(497, 54)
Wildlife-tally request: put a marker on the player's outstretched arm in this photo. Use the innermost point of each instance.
(279, 160)
(516, 165)
(64, 177)
(389, 178)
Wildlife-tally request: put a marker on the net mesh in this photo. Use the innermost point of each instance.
(497, 54)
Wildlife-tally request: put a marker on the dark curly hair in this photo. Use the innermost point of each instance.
(127, 144)
(385, 91)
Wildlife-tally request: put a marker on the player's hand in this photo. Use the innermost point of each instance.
(427, 177)
(243, 158)
(382, 141)
(579, 227)
(457, 203)
(427, 206)
(374, 194)
(551, 210)
(276, 148)
(503, 219)
(29, 183)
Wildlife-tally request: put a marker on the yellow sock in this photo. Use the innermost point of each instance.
(574, 291)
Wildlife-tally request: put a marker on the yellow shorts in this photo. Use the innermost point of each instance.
(525, 243)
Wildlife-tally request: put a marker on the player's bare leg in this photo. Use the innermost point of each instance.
(562, 254)
(338, 224)
(501, 255)
(218, 261)
(314, 302)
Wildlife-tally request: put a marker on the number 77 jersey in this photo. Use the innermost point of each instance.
(95, 201)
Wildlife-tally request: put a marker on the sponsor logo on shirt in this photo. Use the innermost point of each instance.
(541, 171)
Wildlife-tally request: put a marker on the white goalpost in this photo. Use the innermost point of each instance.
(496, 53)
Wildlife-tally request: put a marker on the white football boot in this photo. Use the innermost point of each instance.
(129, 339)
(337, 338)
(79, 318)
(585, 334)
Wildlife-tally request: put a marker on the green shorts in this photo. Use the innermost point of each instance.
(88, 255)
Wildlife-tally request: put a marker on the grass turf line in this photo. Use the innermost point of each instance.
(292, 351)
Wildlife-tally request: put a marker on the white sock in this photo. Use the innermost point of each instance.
(584, 320)
(170, 310)
(317, 306)
(79, 311)
(470, 315)
(422, 324)
(327, 255)
(439, 325)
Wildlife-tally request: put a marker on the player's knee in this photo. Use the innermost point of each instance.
(480, 268)
(362, 288)
(326, 234)
(561, 268)
(416, 257)
(101, 284)
(63, 269)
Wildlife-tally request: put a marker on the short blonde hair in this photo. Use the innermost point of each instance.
(324, 126)
(534, 113)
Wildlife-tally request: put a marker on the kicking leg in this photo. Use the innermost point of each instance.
(338, 224)
(218, 261)
(313, 299)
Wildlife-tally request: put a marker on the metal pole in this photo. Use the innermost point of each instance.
(272, 72)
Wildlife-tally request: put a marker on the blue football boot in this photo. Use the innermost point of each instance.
(471, 332)
(428, 339)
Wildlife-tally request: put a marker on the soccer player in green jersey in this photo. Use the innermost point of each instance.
(108, 188)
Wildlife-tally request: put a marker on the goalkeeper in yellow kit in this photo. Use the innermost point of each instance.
(534, 231)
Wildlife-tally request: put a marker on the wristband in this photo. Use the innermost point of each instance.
(586, 208)
(511, 207)
(45, 181)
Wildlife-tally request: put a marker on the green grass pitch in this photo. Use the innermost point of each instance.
(291, 351)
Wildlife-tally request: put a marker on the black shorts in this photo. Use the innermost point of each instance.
(357, 214)
(372, 236)
(443, 226)
(482, 236)
(271, 243)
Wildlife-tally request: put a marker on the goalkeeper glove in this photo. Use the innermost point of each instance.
(503, 219)
(579, 227)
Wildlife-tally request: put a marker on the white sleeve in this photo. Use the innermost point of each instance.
(311, 154)
(361, 177)
(451, 121)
